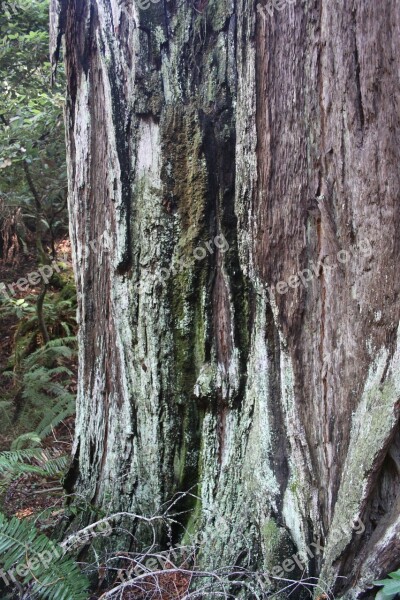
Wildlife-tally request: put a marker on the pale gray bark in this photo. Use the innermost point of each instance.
(190, 120)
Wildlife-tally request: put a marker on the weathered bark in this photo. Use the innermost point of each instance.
(186, 121)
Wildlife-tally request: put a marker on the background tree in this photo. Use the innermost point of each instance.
(190, 120)
(36, 310)
(33, 178)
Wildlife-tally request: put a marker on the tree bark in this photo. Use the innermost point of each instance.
(187, 121)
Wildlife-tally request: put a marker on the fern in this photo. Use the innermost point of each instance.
(391, 587)
(43, 382)
(41, 376)
(50, 353)
(47, 402)
(64, 408)
(21, 455)
(59, 309)
(16, 462)
(56, 467)
(6, 407)
(58, 579)
(39, 387)
(32, 438)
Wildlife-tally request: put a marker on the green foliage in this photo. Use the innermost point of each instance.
(33, 175)
(43, 381)
(59, 310)
(391, 587)
(42, 392)
(56, 578)
(31, 440)
(33, 191)
(6, 408)
(33, 460)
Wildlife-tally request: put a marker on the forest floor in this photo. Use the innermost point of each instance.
(37, 497)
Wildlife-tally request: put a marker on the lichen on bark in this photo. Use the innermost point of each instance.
(186, 124)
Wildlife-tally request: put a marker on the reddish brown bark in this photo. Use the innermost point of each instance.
(282, 134)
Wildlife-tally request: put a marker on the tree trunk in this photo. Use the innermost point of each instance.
(224, 150)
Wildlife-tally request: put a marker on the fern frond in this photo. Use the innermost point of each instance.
(17, 462)
(55, 467)
(32, 438)
(6, 407)
(44, 383)
(47, 355)
(62, 342)
(57, 577)
(64, 408)
(21, 455)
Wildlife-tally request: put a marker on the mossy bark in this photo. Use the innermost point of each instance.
(189, 121)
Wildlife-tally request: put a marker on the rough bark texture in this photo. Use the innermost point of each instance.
(193, 119)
